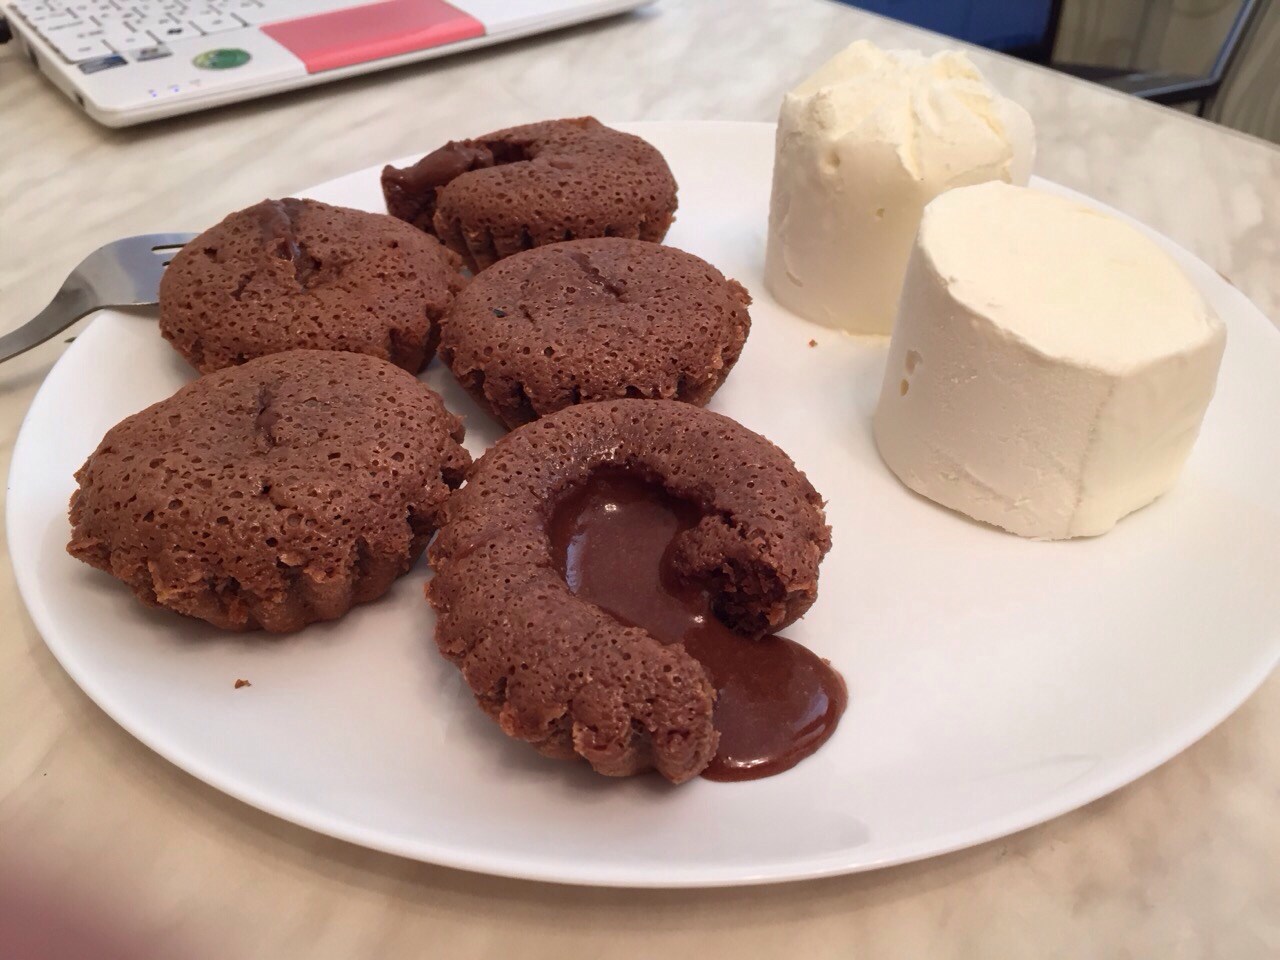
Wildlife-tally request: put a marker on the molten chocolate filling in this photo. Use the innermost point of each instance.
(776, 702)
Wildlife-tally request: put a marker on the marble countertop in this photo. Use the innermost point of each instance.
(1181, 864)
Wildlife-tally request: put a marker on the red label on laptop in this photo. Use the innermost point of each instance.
(360, 34)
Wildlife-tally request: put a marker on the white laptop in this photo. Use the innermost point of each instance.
(129, 61)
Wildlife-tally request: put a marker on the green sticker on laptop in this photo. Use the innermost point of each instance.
(224, 58)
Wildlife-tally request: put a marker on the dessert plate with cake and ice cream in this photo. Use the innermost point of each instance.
(978, 523)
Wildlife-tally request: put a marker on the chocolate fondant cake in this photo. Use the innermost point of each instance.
(540, 183)
(271, 494)
(588, 320)
(299, 274)
(563, 674)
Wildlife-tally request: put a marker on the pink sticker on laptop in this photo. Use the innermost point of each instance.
(371, 32)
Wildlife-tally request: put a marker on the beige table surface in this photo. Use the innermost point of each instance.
(1184, 863)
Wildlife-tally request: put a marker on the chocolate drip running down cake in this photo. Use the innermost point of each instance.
(588, 320)
(557, 670)
(300, 274)
(271, 494)
(523, 187)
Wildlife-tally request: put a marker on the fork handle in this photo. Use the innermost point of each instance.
(70, 303)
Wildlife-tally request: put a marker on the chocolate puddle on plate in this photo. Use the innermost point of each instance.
(776, 701)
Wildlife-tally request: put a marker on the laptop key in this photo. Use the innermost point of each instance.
(53, 20)
(121, 39)
(164, 29)
(152, 53)
(218, 23)
(75, 48)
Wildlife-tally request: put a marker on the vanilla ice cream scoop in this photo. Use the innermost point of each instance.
(1050, 365)
(862, 146)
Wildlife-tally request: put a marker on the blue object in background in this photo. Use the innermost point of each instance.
(997, 24)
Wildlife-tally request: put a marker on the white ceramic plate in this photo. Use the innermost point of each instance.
(994, 682)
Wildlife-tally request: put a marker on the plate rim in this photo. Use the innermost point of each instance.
(573, 873)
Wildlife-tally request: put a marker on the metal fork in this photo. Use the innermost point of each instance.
(124, 273)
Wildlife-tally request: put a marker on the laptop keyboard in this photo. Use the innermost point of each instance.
(83, 30)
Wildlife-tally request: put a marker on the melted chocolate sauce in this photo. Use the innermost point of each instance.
(776, 701)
